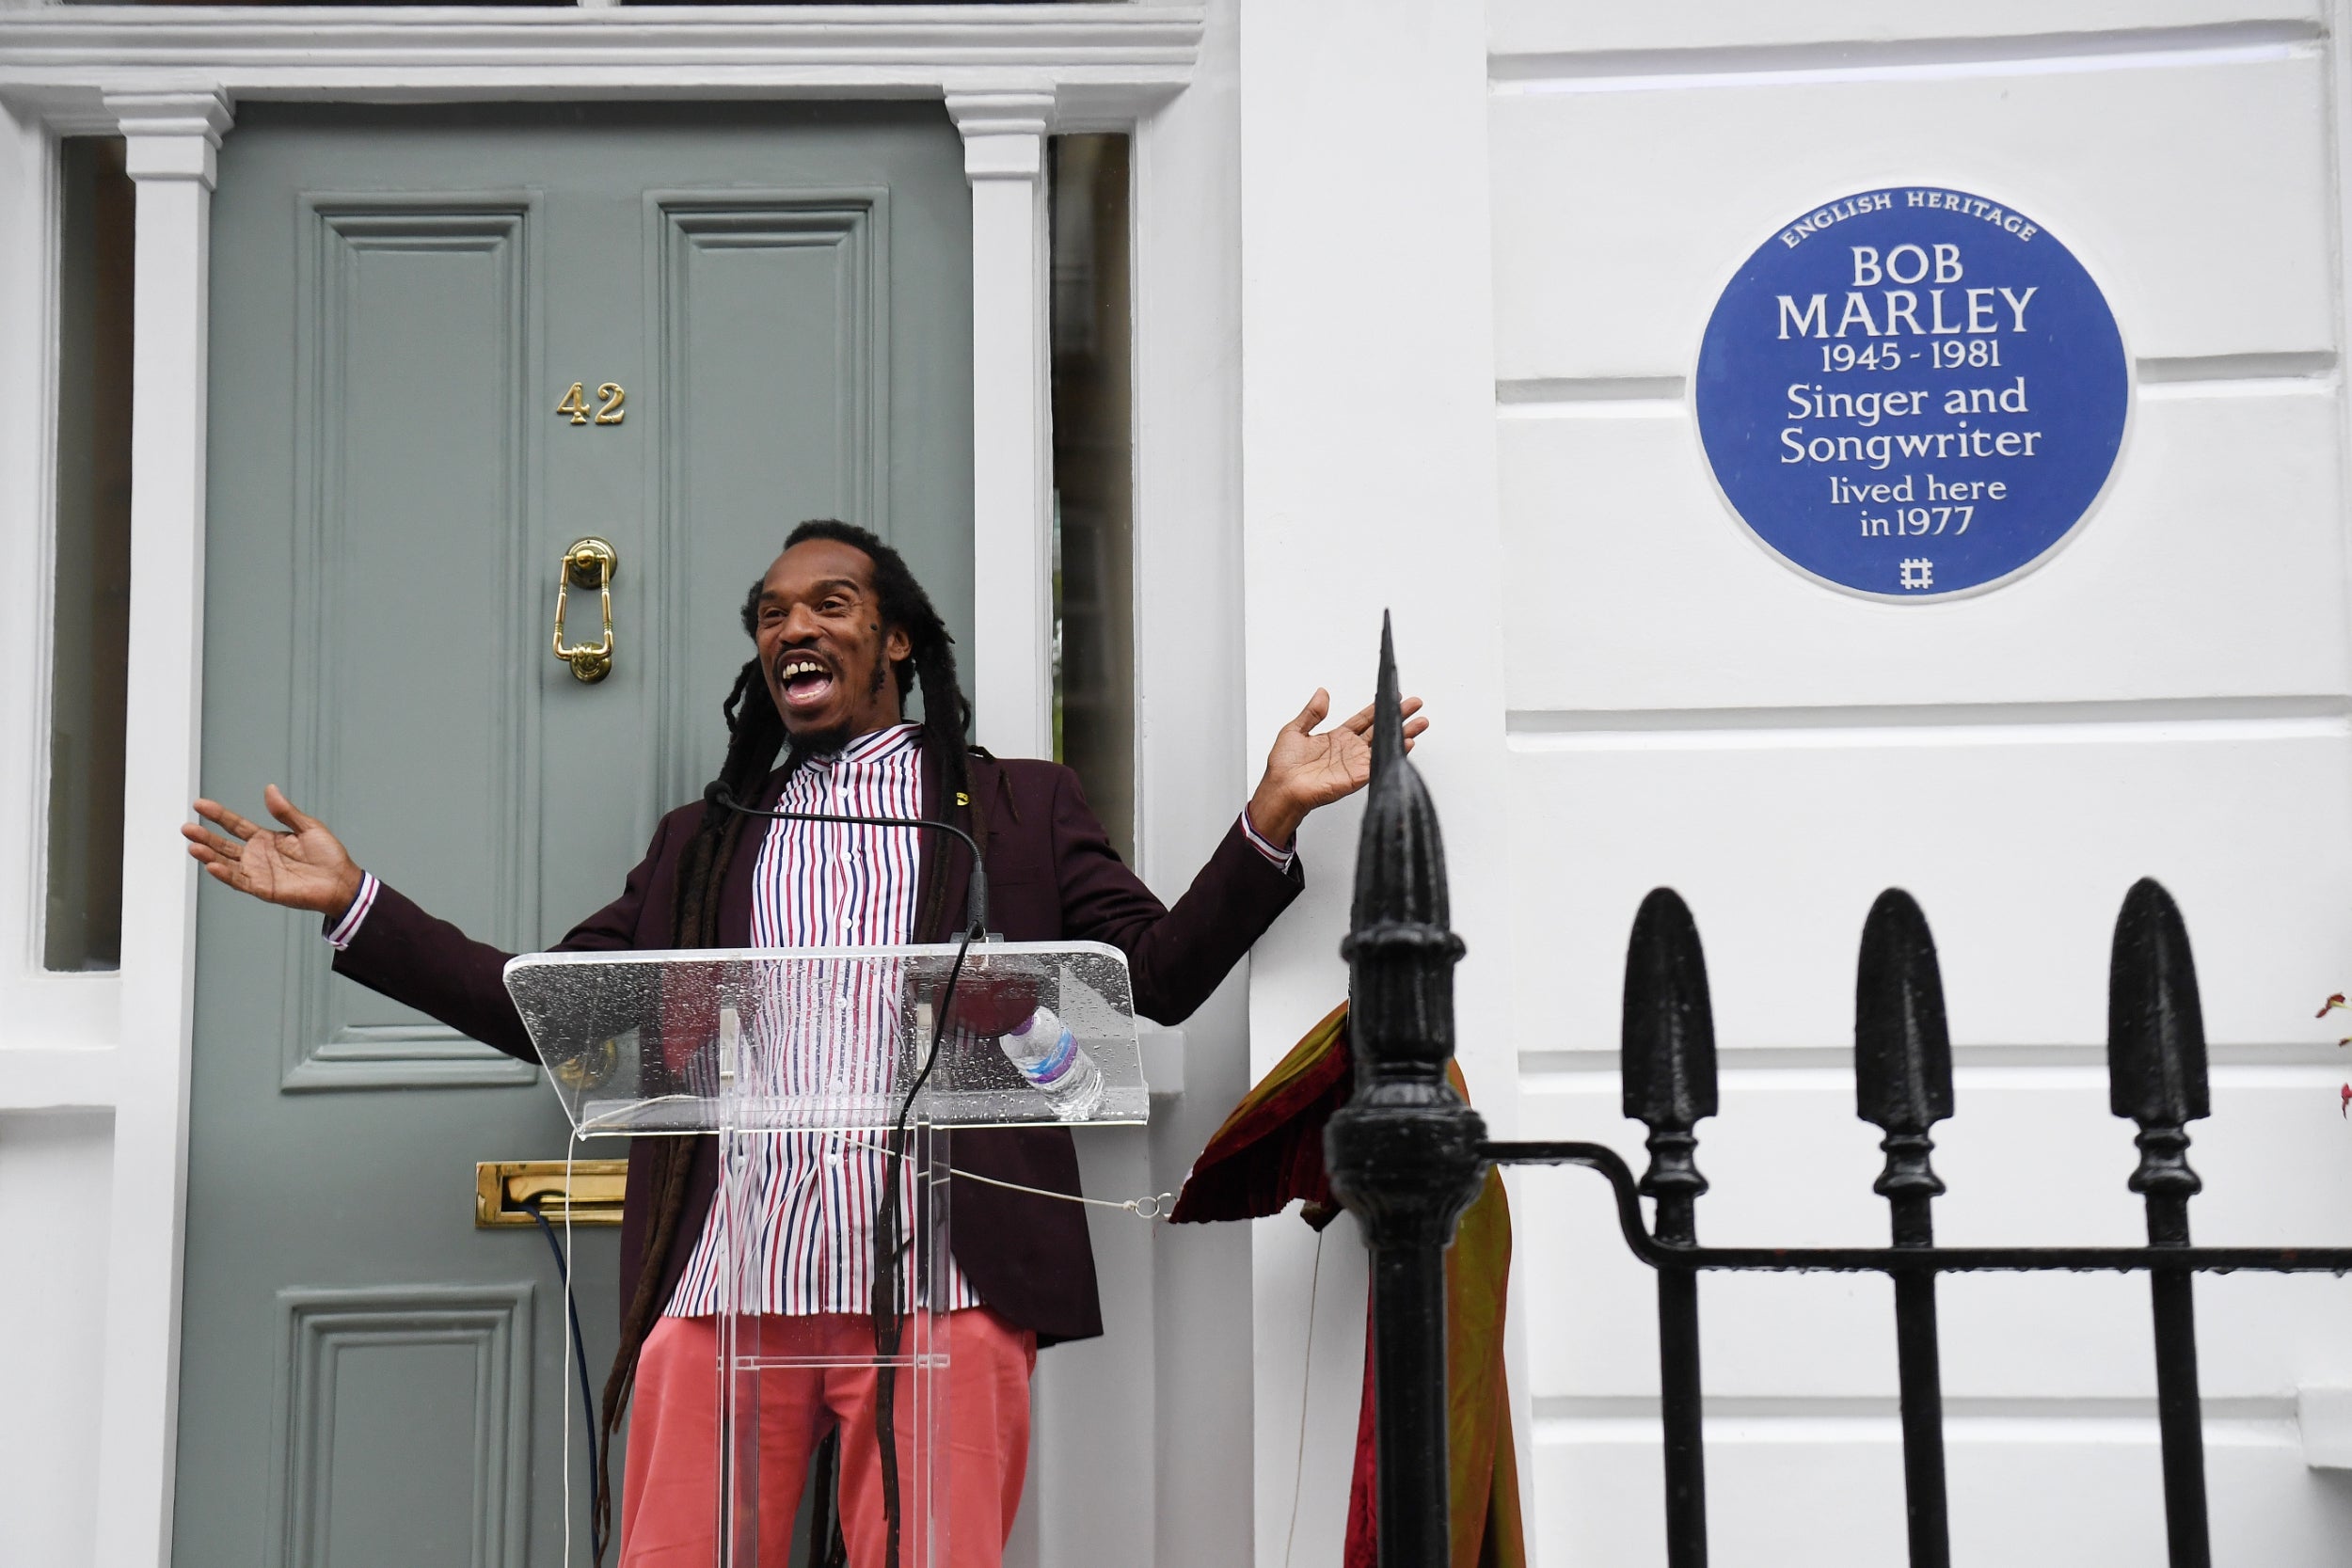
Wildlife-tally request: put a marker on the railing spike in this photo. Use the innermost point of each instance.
(1902, 1056)
(2156, 1078)
(1902, 1048)
(2155, 1025)
(1668, 1067)
(1668, 1052)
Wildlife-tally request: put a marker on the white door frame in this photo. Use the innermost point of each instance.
(167, 81)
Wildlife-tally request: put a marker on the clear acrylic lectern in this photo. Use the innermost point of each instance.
(819, 1048)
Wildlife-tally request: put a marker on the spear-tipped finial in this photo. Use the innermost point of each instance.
(1902, 1056)
(2155, 1027)
(1401, 947)
(1387, 707)
(1400, 855)
(1902, 1049)
(2156, 1051)
(1669, 1031)
(1669, 1055)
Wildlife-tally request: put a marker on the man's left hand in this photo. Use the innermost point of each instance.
(1305, 770)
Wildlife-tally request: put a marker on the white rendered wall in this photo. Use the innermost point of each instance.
(1176, 1297)
(2167, 696)
(55, 1151)
(1368, 481)
(1194, 762)
(54, 1171)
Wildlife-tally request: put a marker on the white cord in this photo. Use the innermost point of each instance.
(563, 1330)
(1298, 1472)
(1153, 1207)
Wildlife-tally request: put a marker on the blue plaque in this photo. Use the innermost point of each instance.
(1912, 393)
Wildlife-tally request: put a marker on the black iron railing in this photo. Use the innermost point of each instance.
(1406, 1156)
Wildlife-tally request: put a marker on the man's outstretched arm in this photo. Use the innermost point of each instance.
(382, 940)
(1178, 955)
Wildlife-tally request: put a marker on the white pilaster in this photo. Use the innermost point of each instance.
(1368, 483)
(29, 200)
(1012, 590)
(172, 139)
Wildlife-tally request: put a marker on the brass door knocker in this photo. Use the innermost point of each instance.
(589, 563)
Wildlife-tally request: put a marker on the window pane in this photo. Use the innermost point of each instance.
(89, 652)
(1094, 697)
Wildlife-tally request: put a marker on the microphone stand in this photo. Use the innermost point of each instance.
(888, 1316)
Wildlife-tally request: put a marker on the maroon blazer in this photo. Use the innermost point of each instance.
(1052, 875)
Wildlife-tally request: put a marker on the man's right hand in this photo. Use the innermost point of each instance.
(303, 868)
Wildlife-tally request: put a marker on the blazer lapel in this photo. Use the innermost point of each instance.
(947, 875)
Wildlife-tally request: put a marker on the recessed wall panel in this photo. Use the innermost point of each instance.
(1701, 28)
(2028, 1486)
(2019, 843)
(2197, 194)
(1633, 586)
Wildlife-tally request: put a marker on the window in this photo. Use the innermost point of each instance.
(1094, 676)
(90, 612)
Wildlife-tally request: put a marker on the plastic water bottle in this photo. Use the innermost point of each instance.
(1056, 1065)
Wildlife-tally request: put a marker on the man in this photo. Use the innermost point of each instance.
(843, 635)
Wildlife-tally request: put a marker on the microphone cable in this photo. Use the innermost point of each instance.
(579, 1356)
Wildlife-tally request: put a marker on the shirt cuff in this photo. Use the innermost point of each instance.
(1276, 855)
(340, 934)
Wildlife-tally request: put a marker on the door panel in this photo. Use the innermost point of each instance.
(409, 323)
(371, 1371)
(744, 430)
(400, 300)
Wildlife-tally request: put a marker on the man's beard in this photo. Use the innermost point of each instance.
(826, 744)
(822, 745)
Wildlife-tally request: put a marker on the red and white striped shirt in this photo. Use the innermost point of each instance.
(811, 1195)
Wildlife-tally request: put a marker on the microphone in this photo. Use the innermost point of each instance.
(975, 891)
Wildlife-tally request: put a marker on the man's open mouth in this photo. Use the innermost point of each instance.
(806, 679)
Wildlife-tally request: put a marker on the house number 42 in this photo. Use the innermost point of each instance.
(609, 399)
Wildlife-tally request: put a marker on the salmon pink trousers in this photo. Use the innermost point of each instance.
(670, 1482)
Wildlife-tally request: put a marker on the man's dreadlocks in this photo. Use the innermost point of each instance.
(756, 735)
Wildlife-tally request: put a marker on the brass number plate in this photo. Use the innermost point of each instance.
(502, 1190)
(607, 409)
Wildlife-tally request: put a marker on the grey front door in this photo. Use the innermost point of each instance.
(770, 309)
